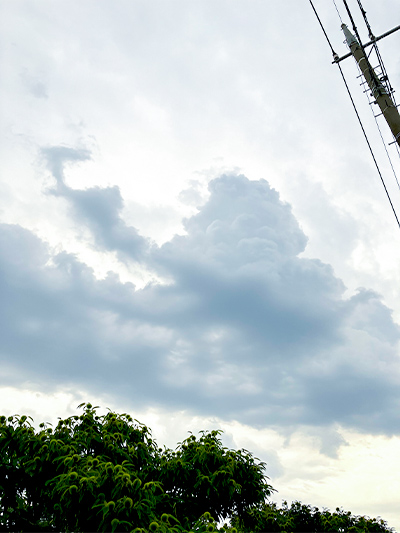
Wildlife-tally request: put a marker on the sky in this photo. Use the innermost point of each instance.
(193, 230)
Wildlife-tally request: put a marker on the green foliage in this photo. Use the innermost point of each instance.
(221, 481)
(300, 518)
(106, 473)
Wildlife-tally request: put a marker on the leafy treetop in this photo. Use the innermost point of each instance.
(106, 473)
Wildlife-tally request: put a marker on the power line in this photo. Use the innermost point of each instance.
(386, 150)
(384, 79)
(336, 57)
(353, 23)
(323, 29)
(364, 14)
(369, 146)
(337, 10)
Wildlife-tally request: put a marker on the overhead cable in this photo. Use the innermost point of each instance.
(336, 57)
(337, 10)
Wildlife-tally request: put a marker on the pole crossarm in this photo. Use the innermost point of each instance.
(369, 43)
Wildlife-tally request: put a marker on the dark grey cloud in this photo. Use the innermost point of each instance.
(245, 328)
(99, 209)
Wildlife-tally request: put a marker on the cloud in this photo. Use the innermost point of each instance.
(34, 85)
(245, 328)
(99, 209)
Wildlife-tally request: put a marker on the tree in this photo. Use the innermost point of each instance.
(300, 518)
(106, 473)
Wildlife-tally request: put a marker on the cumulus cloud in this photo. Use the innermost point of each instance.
(245, 328)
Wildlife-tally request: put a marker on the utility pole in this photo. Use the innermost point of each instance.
(378, 90)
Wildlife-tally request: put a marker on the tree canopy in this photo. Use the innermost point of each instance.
(106, 473)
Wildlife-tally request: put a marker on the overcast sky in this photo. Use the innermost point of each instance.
(193, 230)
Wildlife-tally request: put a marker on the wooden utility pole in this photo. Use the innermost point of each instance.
(378, 90)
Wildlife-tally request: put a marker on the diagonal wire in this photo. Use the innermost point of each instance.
(385, 81)
(323, 29)
(353, 23)
(380, 133)
(338, 11)
(355, 108)
(364, 14)
(369, 146)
